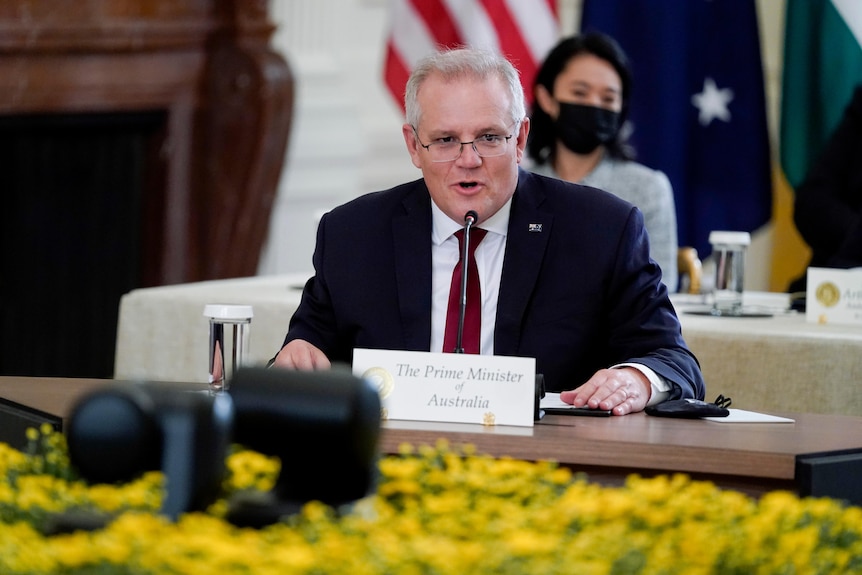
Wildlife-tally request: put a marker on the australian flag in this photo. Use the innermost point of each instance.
(698, 107)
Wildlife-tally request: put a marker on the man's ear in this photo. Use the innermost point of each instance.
(412, 143)
(523, 132)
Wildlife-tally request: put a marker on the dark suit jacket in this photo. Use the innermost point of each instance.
(579, 295)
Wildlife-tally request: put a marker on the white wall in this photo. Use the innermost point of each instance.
(346, 136)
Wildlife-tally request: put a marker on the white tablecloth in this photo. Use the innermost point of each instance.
(774, 364)
(778, 363)
(162, 333)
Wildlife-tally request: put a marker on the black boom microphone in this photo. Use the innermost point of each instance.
(470, 219)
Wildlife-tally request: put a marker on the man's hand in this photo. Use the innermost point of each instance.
(623, 390)
(299, 354)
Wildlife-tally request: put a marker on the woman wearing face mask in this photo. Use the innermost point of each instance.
(578, 133)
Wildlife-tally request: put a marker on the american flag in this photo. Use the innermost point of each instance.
(522, 30)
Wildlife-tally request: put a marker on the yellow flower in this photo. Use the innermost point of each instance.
(438, 510)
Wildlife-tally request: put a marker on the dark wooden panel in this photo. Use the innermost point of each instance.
(211, 167)
(209, 65)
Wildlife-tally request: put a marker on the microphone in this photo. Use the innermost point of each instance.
(470, 219)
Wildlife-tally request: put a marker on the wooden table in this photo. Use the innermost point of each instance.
(771, 364)
(29, 402)
(816, 455)
(749, 457)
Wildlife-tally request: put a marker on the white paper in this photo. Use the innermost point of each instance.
(743, 416)
(552, 400)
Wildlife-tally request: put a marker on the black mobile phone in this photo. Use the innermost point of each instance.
(583, 411)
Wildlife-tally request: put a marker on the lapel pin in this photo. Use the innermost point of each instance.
(535, 227)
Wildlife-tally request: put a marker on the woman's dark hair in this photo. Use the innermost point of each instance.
(542, 139)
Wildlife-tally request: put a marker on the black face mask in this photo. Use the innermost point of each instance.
(583, 128)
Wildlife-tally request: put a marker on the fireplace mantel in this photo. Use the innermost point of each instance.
(227, 96)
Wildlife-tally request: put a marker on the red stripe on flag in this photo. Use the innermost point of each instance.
(438, 21)
(396, 74)
(512, 44)
(442, 28)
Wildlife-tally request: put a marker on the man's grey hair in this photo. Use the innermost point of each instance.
(464, 63)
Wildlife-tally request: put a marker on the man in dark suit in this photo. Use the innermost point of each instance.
(565, 270)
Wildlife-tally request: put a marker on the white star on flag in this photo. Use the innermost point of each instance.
(712, 102)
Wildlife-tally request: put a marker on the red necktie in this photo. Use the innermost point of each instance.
(471, 336)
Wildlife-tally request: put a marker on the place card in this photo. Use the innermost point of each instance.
(451, 387)
(834, 296)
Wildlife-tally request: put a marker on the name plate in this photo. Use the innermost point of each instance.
(451, 387)
(834, 296)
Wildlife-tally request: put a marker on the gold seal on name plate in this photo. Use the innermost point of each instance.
(828, 294)
(381, 379)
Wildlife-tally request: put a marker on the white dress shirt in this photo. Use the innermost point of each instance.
(445, 254)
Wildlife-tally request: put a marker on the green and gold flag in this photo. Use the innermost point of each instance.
(822, 66)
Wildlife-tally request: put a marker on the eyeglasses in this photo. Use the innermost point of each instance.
(449, 149)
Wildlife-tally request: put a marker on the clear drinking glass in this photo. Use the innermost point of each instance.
(228, 342)
(728, 251)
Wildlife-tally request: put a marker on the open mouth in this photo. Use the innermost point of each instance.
(468, 185)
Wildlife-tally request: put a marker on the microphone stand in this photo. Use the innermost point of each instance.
(470, 219)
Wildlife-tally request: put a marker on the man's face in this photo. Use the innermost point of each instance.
(466, 109)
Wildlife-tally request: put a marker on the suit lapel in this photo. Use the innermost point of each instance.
(411, 232)
(529, 232)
